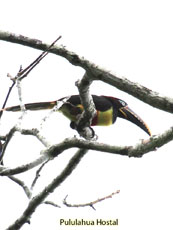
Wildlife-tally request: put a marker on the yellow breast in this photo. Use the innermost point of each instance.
(105, 118)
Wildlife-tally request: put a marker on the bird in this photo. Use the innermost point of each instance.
(108, 109)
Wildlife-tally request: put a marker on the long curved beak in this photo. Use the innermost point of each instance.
(127, 113)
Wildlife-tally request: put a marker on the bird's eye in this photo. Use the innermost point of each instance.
(123, 103)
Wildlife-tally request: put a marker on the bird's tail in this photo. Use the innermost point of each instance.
(33, 106)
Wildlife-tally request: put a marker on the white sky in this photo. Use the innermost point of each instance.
(130, 38)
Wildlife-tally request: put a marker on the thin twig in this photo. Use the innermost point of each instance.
(38, 174)
(6, 99)
(54, 109)
(22, 184)
(34, 132)
(7, 140)
(91, 204)
(52, 203)
(19, 89)
(23, 73)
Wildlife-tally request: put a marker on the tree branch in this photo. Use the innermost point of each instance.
(86, 98)
(38, 199)
(23, 73)
(138, 150)
(91, 204)
(33, 132)
(52, 203)
(17, 79)
(5, 171)
(38, 174)
(7, 140)
(22, 184)
(6, 99)
(96, 73)
(84, 122)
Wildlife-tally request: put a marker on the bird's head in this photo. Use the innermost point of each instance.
(126, 113)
